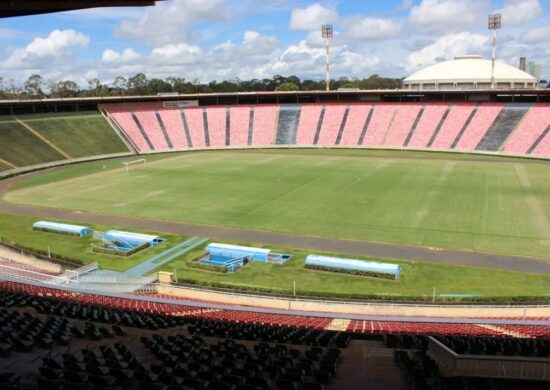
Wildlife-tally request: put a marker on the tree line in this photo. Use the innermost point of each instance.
(36, 87)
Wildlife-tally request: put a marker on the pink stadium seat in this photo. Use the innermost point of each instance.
(480, 124)
(129, 127)
(401, 125)
(265, 126)
(380, 121)
(174, 127)
(240, 121)
(426, 126)
(195, 122)
(453, 124)
(543, 149)
(529, 129)
(334, 114)
(151, 126)
(216, 125)
(357, 117)
(307, 127)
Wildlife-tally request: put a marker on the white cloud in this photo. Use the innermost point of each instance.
(371, 29)
(446, 15)
(520, 11)
(536, 35)
(406, 4)
(445, 48)
(127, 56)
(170, 22)
(312, 17)
(46, 52)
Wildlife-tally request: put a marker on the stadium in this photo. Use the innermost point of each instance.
(384, 238)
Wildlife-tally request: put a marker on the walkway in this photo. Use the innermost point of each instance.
(166, 256)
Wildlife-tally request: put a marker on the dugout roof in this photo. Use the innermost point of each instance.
(12, 8)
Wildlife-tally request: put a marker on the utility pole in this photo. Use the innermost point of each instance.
(326, 34)
(495, 23)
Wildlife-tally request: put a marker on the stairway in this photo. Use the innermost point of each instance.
(289, 116)
(505, 123)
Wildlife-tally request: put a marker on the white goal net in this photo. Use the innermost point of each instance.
(129, 165)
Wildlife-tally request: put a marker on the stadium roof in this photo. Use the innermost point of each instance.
(469, 69)
(11, 8)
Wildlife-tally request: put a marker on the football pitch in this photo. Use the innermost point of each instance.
(486, 204)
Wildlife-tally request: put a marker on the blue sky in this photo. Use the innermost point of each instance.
(220, 39)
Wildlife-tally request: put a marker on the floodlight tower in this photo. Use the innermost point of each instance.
(495, 23)
(326, 33)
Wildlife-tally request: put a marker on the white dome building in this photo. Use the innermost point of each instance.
(468, 72)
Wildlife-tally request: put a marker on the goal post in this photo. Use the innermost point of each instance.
(135, 163)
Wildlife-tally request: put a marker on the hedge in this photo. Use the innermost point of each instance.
(383, 275)
(43, 255)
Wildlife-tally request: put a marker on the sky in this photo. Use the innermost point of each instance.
(208, 40)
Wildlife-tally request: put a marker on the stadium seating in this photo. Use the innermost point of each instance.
(217, 126)
(334, 114)
(240, 124)
(151, 126)
(357, 117)
(402, 125)
(518, 129)
(171, 118)
(380, 122)
(307, 127)
(529, 130)
(128, 125)
(453, 124)
(265, 124)
(478, 127)
(195, 122)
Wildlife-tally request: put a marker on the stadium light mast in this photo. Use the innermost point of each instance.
(326, 33)
(495, 23)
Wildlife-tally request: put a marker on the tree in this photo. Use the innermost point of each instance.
(349, 85)
(137, 84)
(287, 87)
(120, 83)
(94, 86)
(33, 85)
(64, 88)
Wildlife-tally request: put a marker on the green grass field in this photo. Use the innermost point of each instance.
(417, 279)
(449, 201)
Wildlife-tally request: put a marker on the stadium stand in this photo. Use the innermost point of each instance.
(265, 125)
(171, 118)
(380, 122)
(334, 115)
(427, 125)
(25, 148)
(195, 122)
(150, 125)
(454, 123)
(307, 126)
(529, 130)
(128, 125)
(402, 125)
(217, 126)
(516, 129)
(240, 124)
(71, 133)
(485, 116)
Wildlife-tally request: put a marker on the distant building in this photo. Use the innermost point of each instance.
(523, 63)
(534, 70)
(466, 73)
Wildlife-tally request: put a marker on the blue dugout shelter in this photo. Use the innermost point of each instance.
(62, 228)
(354, 265)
